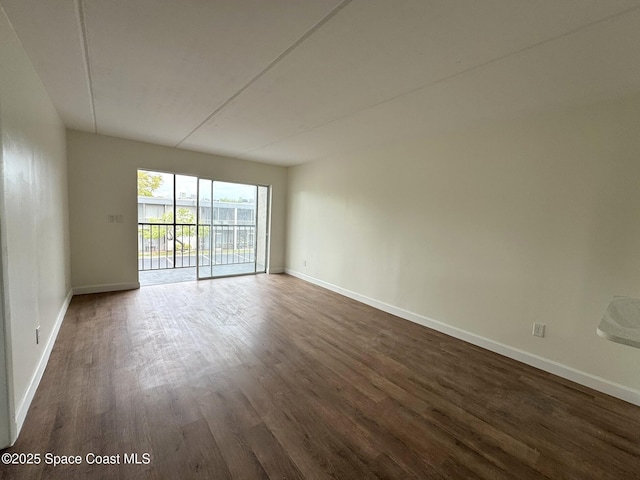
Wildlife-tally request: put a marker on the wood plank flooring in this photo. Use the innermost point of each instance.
(271, 377)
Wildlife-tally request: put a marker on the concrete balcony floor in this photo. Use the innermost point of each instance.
(188, 274)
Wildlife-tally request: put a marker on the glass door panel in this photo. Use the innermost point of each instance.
(205, 210)
(262, 237)
(184, 220)
(232, 228)
(166, 227)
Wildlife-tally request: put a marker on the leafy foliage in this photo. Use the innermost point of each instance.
(148, 183)
(183, 215)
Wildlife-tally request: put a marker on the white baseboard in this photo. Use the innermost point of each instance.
(106, 287)
(276, 270)
(588, 380)
(25, 402)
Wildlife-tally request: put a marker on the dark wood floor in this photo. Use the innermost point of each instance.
(271, 377)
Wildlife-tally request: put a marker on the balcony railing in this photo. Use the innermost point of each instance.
(162, 246)
(165, 246)
(228, 244)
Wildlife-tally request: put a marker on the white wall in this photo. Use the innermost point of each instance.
(36, 281)
(102, 181)
(488, 230)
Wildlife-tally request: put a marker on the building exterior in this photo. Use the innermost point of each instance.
(222, 226)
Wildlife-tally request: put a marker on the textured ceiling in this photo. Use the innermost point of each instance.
(290, 81)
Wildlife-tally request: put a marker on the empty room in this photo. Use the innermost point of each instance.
(319, 239)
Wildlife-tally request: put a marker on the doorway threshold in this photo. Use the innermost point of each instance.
(164, 276)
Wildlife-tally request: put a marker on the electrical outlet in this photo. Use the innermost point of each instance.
(538, 329)
(37, 335)
(305, 263)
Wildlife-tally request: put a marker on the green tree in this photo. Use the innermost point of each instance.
(148, 183)
(183, 215)
(162, 228)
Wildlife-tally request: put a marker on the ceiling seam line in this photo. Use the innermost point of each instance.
(241, 156)
(278, 59)
(87, 65)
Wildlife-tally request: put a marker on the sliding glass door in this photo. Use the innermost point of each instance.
(232, 228)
